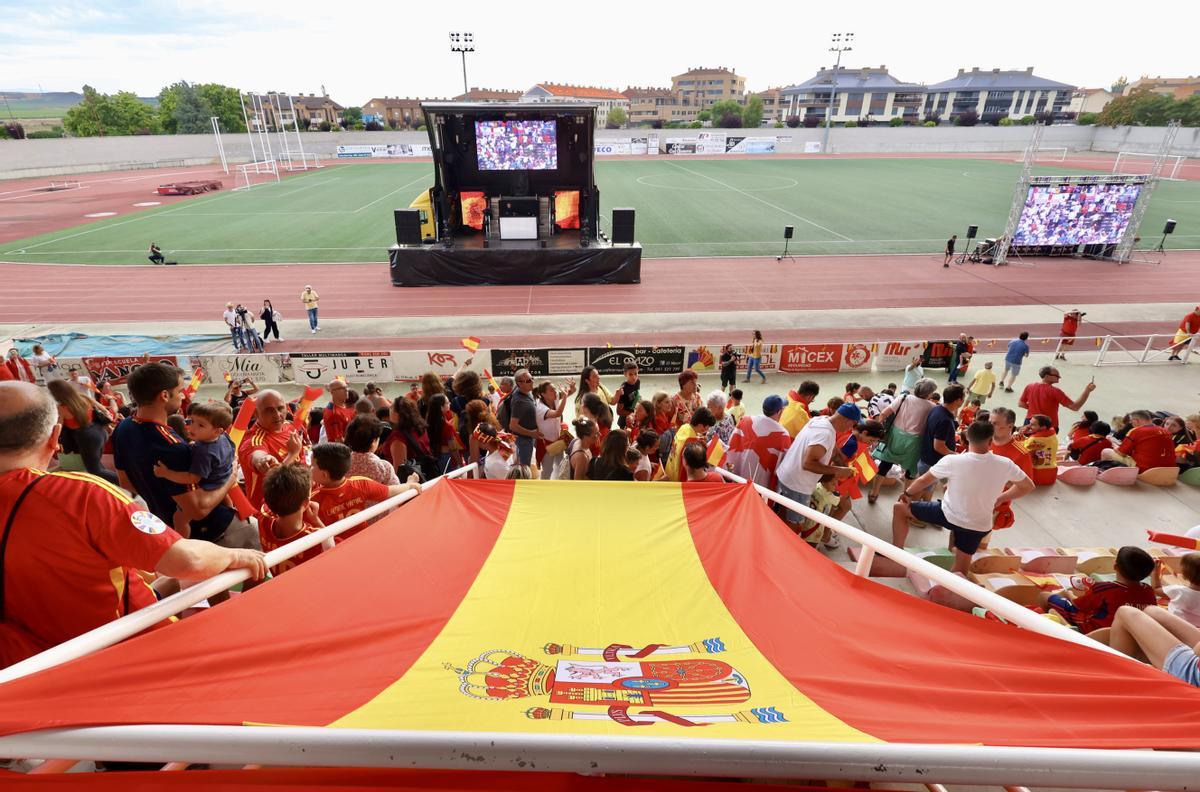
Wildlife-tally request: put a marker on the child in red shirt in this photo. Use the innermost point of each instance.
(340, 495)
(1091, 605)
(1087, 448)
(287, 514)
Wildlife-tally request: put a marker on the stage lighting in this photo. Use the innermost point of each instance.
(463, 43)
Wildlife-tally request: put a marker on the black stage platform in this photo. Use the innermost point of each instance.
(515, 262)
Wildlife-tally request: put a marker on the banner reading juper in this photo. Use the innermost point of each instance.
(324, 366)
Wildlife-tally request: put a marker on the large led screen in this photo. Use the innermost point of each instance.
(1076, 214)
(516, 145)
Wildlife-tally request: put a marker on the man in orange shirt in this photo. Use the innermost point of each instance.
(340, 495)
(74, 541)
(1006, 444)
(1146, 446)
(338, 415)
(1070, 326)
(1045, 397)
(1188, 327)
(272, 442)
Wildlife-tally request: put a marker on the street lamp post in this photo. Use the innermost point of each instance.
(841, 43)
(463, 43)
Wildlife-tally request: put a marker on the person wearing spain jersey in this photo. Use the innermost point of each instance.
(338, 414)
(74, 542)
(1188, 327)
(340, 495)
(1070, 327)
(270, 443)
(287, 513)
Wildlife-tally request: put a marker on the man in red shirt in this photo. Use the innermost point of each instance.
(1146, 446)
(338, 415)
(1045, 397)
(74, 541)
(270, 443)
(1006, 444)
(1070, 326)
(340, 495)
(1188, 327)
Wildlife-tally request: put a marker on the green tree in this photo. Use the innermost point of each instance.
(191, 113)
(704, 115)
(119, 114)
(132, 116)
(725, 110)
(86, 118)
(618, 116)
(1086, 119)
(351, 116)
(1120, 85)
(1143, 107)
(752, 113)
(226, 104)
(1188, 111)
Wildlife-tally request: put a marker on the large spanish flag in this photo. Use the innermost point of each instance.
(598, 608)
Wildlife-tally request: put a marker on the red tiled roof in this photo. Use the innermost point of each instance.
(581, 91)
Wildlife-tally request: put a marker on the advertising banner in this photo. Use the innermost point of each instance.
(540, 362)
(384, 150)
(797, 358)
(812, 147)
(638, 145)
(259, 369)
(652, 144)
(410, 365)
(650, 360)
(116, 369)
(610, 147)
(749, 145)
(321, 367)
(937, 355)
(896, 355)
(683, 145)
(856, 357)
(770, 357)
(711, 142)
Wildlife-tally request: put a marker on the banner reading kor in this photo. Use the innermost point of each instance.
(320, 367)
(650, 360)
(797, 358)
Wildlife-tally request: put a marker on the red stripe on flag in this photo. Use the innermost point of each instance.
(907, 670)
(308, 633)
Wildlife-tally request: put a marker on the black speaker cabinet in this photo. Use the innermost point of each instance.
(408, 226)
(972, 231)
(789, 231)
(622, 226)
(1169, 228)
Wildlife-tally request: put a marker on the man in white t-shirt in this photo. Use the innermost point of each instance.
(975, 486)
(807, 460)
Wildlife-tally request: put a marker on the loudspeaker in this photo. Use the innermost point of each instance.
(788, 231)
(622, 226)
(972, 231)
(408, 226)
(1169, 228)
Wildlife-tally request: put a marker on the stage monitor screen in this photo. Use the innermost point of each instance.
(1076, 214)
(516, 145)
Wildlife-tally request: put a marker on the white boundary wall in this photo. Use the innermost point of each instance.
(52, 157)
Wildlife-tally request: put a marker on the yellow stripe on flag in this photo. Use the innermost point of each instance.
(626, 572)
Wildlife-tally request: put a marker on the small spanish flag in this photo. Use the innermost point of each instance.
(491, 380)
(242, 422)
(471, 344)
(716, 452)
(194, 383)
(864, 467)
(311, 394)
(228, 377)
(1175, 540)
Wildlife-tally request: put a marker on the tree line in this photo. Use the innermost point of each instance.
(183, 108)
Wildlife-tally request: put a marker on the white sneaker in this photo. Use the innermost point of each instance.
(833, 543)
(318, 327)
(314, 330)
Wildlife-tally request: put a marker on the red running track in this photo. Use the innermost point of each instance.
(40, 294)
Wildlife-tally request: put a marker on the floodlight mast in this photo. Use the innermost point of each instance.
(841, 43)
(463, 43)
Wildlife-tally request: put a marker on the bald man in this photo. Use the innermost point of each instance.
(74, 541)
(272, 442)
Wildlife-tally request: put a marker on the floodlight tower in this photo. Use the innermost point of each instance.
(841, 43)
(464, 43)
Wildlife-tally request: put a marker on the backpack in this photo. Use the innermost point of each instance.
(419, 459)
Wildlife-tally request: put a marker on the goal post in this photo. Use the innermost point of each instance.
(1048, 154)
(1135, 163)
(255, 174)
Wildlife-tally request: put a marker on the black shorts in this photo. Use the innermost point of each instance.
(728, 376)
(931, 512)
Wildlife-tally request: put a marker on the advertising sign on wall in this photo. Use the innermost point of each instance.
(652, 144)
(810, 357)
(116, 369)
(319, 367)
(937, 355)
(611, 147)
(385, 150)
(769, 361)
(749, 145)
(856, 357)
(540, 362)
(259, 369)
(683, 145)
(650, 360)
(410, 364)
(896, 355)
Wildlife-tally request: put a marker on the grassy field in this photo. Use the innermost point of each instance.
(684, 208)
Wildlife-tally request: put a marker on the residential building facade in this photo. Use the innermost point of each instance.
(997, 94)
(772, 100)
(703, 87)
(858, 94)
(605, 99)
(311, 110)
(1089, 100)
(647, 105)
(488, 95)
(1178, 87)
(395, 112)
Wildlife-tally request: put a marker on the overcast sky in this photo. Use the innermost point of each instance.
(361, 49)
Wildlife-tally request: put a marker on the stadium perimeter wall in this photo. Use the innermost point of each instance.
(59, 156)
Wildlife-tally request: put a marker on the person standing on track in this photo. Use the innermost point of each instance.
(310, 299)
(270, 319)
(1070, 327)
(950, 243)
(754, 359)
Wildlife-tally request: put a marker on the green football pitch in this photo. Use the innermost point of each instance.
(684, 208)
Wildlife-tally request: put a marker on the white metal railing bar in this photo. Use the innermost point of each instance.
(133, 623)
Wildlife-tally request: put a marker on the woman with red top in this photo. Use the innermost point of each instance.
(641, 418)
(687, 401)
(1083, 427)
(1087, 448)
(111, 399)
(664, 412)
(85, 427)
(441, 433)
(407, 440)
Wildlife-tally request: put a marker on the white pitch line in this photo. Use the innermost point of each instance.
(424, 177)
(44, 193)
(760, 200)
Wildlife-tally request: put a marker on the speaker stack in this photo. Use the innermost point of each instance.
(408, 226)
(622, 226)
